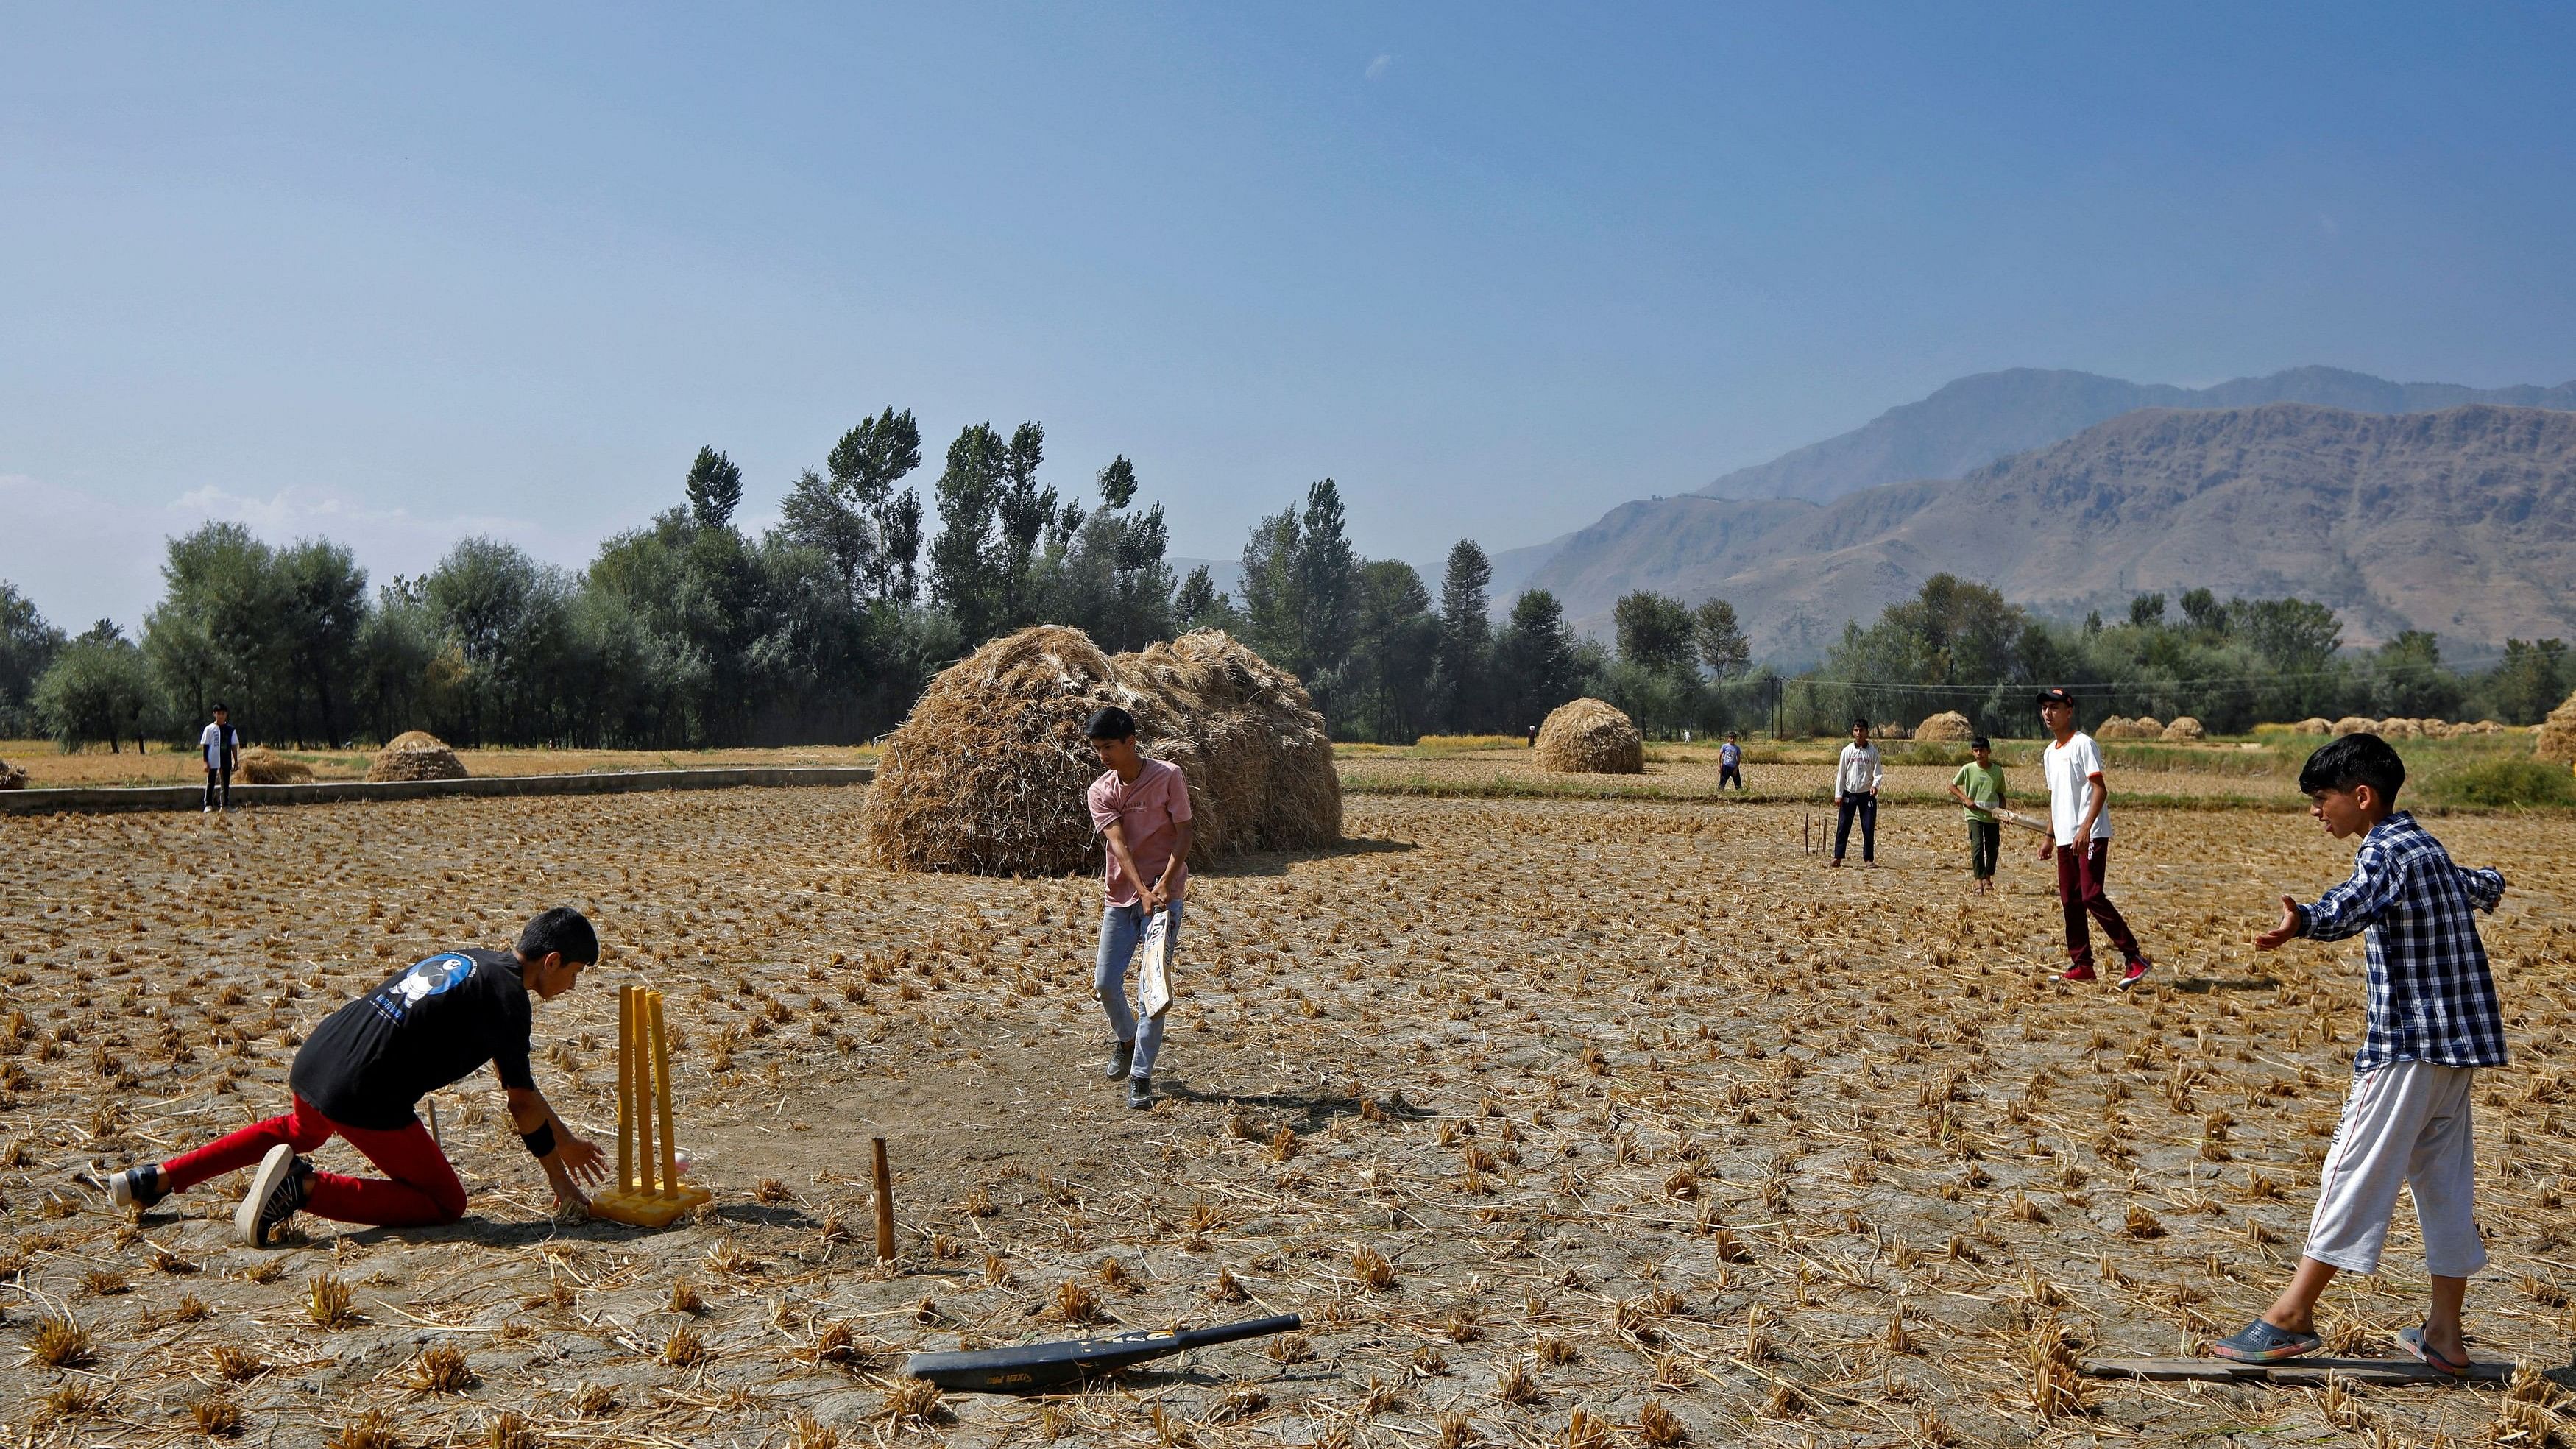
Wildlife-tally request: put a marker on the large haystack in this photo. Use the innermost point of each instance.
(11, 777)
(2120, 727)
(261, 765)
(1590, 737)
(988, 774)
(1949, 727)
(2556, 739)
(2184, 730)
(415, 755)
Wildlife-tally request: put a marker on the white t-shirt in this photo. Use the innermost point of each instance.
(211, 740)
(1859, 771)
(2068, 768)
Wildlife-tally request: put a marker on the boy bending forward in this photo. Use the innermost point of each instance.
(2433, 1024)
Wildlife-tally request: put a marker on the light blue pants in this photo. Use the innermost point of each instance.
(1122, 929)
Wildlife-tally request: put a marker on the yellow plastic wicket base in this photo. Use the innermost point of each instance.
(642, 1196)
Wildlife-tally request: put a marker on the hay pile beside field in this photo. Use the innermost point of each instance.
(1947, 727)
(261, 765)
(11, 777)
(2314, 725)
(2556, 740)
(2184, 730)
(2120, 727)
(416, 755)
(987, 775)
(1590, 737)
(2353, 724)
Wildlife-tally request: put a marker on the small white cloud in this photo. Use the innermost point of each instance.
(1379, 66)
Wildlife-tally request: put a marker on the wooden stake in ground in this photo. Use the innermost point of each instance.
(885, 1206)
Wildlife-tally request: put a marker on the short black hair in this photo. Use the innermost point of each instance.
(2362, 759)
(1858, 723)
(1981, 743)
(222, 708)
(1111, 723)
(561, 929)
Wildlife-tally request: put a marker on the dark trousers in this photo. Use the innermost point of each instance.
(219, 789)
(1866, 807)
(1985, 843)
(1730, 772)
(2079, 889)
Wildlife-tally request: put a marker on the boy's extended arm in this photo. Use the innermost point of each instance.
(2349, 908)
(572, 1161)
(2484, 887)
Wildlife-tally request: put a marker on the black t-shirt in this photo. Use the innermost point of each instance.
(428, 1025)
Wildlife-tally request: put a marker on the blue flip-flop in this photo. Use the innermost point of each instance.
(2412, 1340)
(2260, 1342)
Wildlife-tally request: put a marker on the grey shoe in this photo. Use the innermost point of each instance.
(276, 1191)
(1140, 1092)
(136, 1187)
(1121, 1057)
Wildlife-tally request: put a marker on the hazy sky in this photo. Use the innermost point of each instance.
(399, 274)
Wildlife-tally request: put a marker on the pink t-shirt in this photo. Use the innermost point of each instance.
(1147, 809)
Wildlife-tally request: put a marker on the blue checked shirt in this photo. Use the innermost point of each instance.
(2431, 999)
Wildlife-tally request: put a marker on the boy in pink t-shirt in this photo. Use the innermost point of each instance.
(1141, 808)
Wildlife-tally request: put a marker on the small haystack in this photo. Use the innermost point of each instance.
(2120, 727)
(1949, 727)
(2313, 725)
(2398, 728)
(2353, 724)
(987, 775)
(2556, 738)
(416, 755)
(11, 777)
(1590, 737)
(261, 765)
(2184, 730)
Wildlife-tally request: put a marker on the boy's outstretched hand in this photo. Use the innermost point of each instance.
(2288, 930)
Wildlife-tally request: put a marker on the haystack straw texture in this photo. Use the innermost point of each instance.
(2353, 724)
(2556, 739)
(2184, 729)
(2398, 728)
(261, 765)
(2120, 727)
(415, 755)
(1590, 737)
(11, 777)
(987, 775)
(1947, 727)
(2314, 725)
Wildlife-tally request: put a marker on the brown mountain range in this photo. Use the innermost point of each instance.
(2461, 521)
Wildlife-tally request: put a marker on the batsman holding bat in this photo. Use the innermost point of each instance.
(1141, 807)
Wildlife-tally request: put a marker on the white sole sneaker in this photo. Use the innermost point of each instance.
(264, 1183)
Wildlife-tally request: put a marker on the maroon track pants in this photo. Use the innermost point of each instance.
(423, 1189)
(2079, 890)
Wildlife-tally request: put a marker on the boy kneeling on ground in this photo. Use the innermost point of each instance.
(2433, 1023)
(368, 1064)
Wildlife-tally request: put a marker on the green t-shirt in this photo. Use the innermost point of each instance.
(1983, 784)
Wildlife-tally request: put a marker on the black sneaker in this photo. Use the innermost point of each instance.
(276, 1191)
(1121, 1057)
(136, 1187)
(1140, 1092)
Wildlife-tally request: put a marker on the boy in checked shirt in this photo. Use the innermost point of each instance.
(2433, 1023)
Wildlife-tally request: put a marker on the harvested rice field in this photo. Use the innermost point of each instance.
(48, 767)
(1561, 1121)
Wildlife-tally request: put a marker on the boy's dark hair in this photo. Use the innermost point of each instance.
(564, 930)
(1111, 723)
(1981, 743)
(2363, 759)
(1858, 723)
(222, 708)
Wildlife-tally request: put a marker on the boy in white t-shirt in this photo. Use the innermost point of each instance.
(220, 743)
(2080, 838)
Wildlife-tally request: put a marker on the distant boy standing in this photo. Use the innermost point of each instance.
(220, 743)
(1857, 776)
(2433, 1022)
(1141, 808)
(2080, 816)
(1979, 786)
(1730, 762)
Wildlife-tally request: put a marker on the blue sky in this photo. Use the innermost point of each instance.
(398, 274)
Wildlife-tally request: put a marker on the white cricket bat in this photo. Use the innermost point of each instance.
(2015, 817)
(1154, 974)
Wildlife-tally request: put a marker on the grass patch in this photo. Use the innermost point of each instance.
(2507, 783)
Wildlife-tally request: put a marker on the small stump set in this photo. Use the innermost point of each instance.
(643, 1091)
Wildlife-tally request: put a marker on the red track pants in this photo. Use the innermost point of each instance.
(424, 1188)
(2079, 889)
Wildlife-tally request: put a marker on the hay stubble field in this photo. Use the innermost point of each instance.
(1561, 1121)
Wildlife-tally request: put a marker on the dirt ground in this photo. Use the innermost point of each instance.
(48, 767)
(1560, 1121)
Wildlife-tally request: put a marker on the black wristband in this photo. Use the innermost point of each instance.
(540, 1142)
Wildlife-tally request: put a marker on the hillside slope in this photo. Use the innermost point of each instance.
(2461, 521)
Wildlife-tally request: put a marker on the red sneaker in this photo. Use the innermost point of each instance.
(2077, 973)
(2137, 972)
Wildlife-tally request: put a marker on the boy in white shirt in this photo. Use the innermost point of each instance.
(221, 745)
(2080, 839)
(1857, 776)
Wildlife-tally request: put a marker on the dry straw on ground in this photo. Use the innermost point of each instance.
(261, 765)
(2557, 737)
(416, 755)
(1947, 727)
(987, 776)
(1590, 737)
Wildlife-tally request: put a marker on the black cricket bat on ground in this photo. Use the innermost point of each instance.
(1037, 1367)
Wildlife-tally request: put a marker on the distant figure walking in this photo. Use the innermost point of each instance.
(1857, 776)
(1533, 737)
(221, 744)
(2079, 812)
(1730, 762)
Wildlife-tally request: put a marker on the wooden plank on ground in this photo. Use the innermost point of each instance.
(2294, 1372)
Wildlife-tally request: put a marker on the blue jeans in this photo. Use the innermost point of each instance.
(1122, 929)
(1866, 807)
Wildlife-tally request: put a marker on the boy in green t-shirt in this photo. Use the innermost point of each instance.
(1979, 786)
